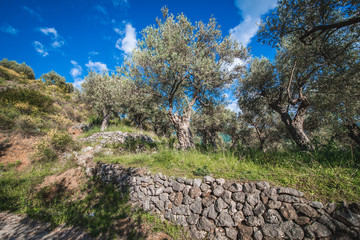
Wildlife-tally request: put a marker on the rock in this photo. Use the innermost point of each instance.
(225, 220)
(164, 196)
(195, 192)
(238, 217)
(306, 210)
(177, 187)
(288, 212)
(347, 217)
(355, 207)
(226, 196)
(178, 198)
(248, 210)
(231, 233)
(212, 212)
(302, 220)
(288, 198)
(197, 182)
(271, 193)
(290, 191)
(205, 225)
(264, 198)
(318, 230)
(272, 216)
(245, 232)
(274, 204)
(180, 180)
(255, 221)
(209, 179)
(207, 201)
(239, 197)
(218, 191)
(232, 208)
(253, 199)
(188, 181)
(192, 219)
(186, 190)
(196, 234)
(219, 234)
(258, 235)
(220, 205)
(273, 231)
(206, 193)
(181, 220)
(262, 185)
(220, 181)
(330, 208)
(249, 187)
(235, 187)
(327, 222)
(146, 205)
(259, 209)
(160, 205)
(169, 216)
(159, 191)
(292, 230)
(187, 200)
(316, 204)
(204, 187)
(196, 207)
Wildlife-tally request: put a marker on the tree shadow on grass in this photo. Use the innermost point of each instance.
(104, 211)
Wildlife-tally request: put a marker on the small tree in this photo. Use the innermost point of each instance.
(53, 78)
(184, 66)
(104, 93)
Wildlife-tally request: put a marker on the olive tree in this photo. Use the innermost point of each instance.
(329, 30)
(53, 78)
(104, 93)
(184, 65)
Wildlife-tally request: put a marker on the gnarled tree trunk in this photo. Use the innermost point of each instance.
(182, 128)
(354, 131)
(106, 119)
(261, 135)
(295, 126)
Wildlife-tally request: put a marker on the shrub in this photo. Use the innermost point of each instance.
(60, 141)
(19, 68)
(28, 124)
(32, 97)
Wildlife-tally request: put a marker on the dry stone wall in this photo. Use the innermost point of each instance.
(219, 209)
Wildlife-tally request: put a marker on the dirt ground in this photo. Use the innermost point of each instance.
(17, 149)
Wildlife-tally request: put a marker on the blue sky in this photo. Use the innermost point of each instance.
(73, 36)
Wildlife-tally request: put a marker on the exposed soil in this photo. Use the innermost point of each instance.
(17, 149)
(66, 183)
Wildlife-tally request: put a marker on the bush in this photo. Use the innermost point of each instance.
(28, 124)
(54, 143)
(32, 97)
(19, 68)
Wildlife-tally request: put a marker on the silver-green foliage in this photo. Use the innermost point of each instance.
(184, 66)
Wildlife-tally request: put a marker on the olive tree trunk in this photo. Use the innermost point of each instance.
(354, 131)
(106, 119)
(295, 126)
(182, 129)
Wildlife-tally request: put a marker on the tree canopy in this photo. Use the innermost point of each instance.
(184, 65)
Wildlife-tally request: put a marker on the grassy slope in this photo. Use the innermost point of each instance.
(96, 207)
(327, 175)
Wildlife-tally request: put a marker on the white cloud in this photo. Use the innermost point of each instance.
(251, 11)
(76, 70)
(93, 53)
(101, 9)
(9, 29)
(78, 82)
(128, 43)
(48, 31)
(97, 66)
(39, 47)
(120, 2)
(33, 13)
(57, 39)
(233, 106)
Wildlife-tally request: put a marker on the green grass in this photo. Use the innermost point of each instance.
(318, 178)
(98, 208)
